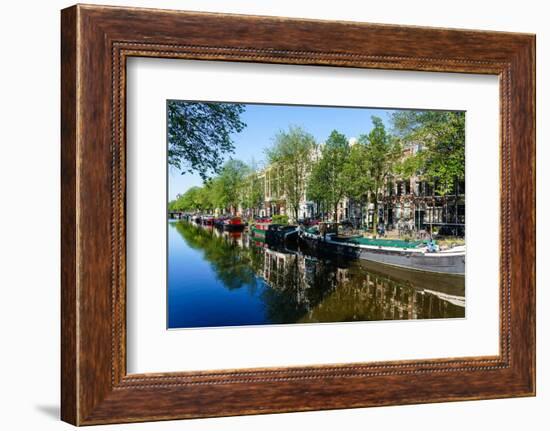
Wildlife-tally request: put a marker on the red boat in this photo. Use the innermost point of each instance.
(208, 221)
(234, 224)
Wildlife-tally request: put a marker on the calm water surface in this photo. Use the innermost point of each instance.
(227, 279)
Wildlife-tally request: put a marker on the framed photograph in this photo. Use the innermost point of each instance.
(317, 227)
(265, 215)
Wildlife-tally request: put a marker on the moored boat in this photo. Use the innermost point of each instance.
(234, 224)
(278, 234)
(273, 233)
(208, 220)
(259, 229)
(415, 255)
(219, 221)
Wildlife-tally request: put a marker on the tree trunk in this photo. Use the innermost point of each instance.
(375, 216)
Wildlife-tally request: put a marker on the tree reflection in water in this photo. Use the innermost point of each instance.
(294, 287)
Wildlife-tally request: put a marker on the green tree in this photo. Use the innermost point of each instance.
(359, 184)
(189, 201)
(252, 188)
(291, 154)
(440, 139)
(380, 154)
(203, 198)
(328, 181)
(199, 135)
(226, 187)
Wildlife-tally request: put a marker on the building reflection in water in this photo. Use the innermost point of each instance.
(294, 287)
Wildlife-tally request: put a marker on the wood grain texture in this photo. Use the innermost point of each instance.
(96, 41)
(69, 366)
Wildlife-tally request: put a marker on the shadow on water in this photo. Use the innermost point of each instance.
(290, 286)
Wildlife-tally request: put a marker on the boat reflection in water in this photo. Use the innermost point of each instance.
(218, 278)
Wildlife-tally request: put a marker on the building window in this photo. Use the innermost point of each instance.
(461, 187)
(428, 189)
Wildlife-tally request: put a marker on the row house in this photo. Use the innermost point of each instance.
(406, 203)
(413, 204)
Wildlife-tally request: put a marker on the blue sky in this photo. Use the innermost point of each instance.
(265, 121)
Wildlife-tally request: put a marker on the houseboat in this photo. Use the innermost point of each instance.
(234, 224)
(278, 234)
(273, 233)
(208, 220)
(219, 221)
(416, 255)
(259, 228)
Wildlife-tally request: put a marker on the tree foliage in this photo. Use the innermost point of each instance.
(427, 144)
(377, 156)
(291, 154)
(252, 193)
(192, 200)
(199, 135)
(440, 137)
(328, 181)
(226, 187)
(358, 184)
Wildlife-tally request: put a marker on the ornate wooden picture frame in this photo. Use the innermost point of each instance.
(96, 41)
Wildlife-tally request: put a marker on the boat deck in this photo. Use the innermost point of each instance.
(395, 243)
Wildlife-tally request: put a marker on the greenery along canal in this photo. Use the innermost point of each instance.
(227, 279)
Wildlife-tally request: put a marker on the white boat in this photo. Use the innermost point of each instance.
(413, 255)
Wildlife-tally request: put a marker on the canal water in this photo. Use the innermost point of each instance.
(228, 279)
